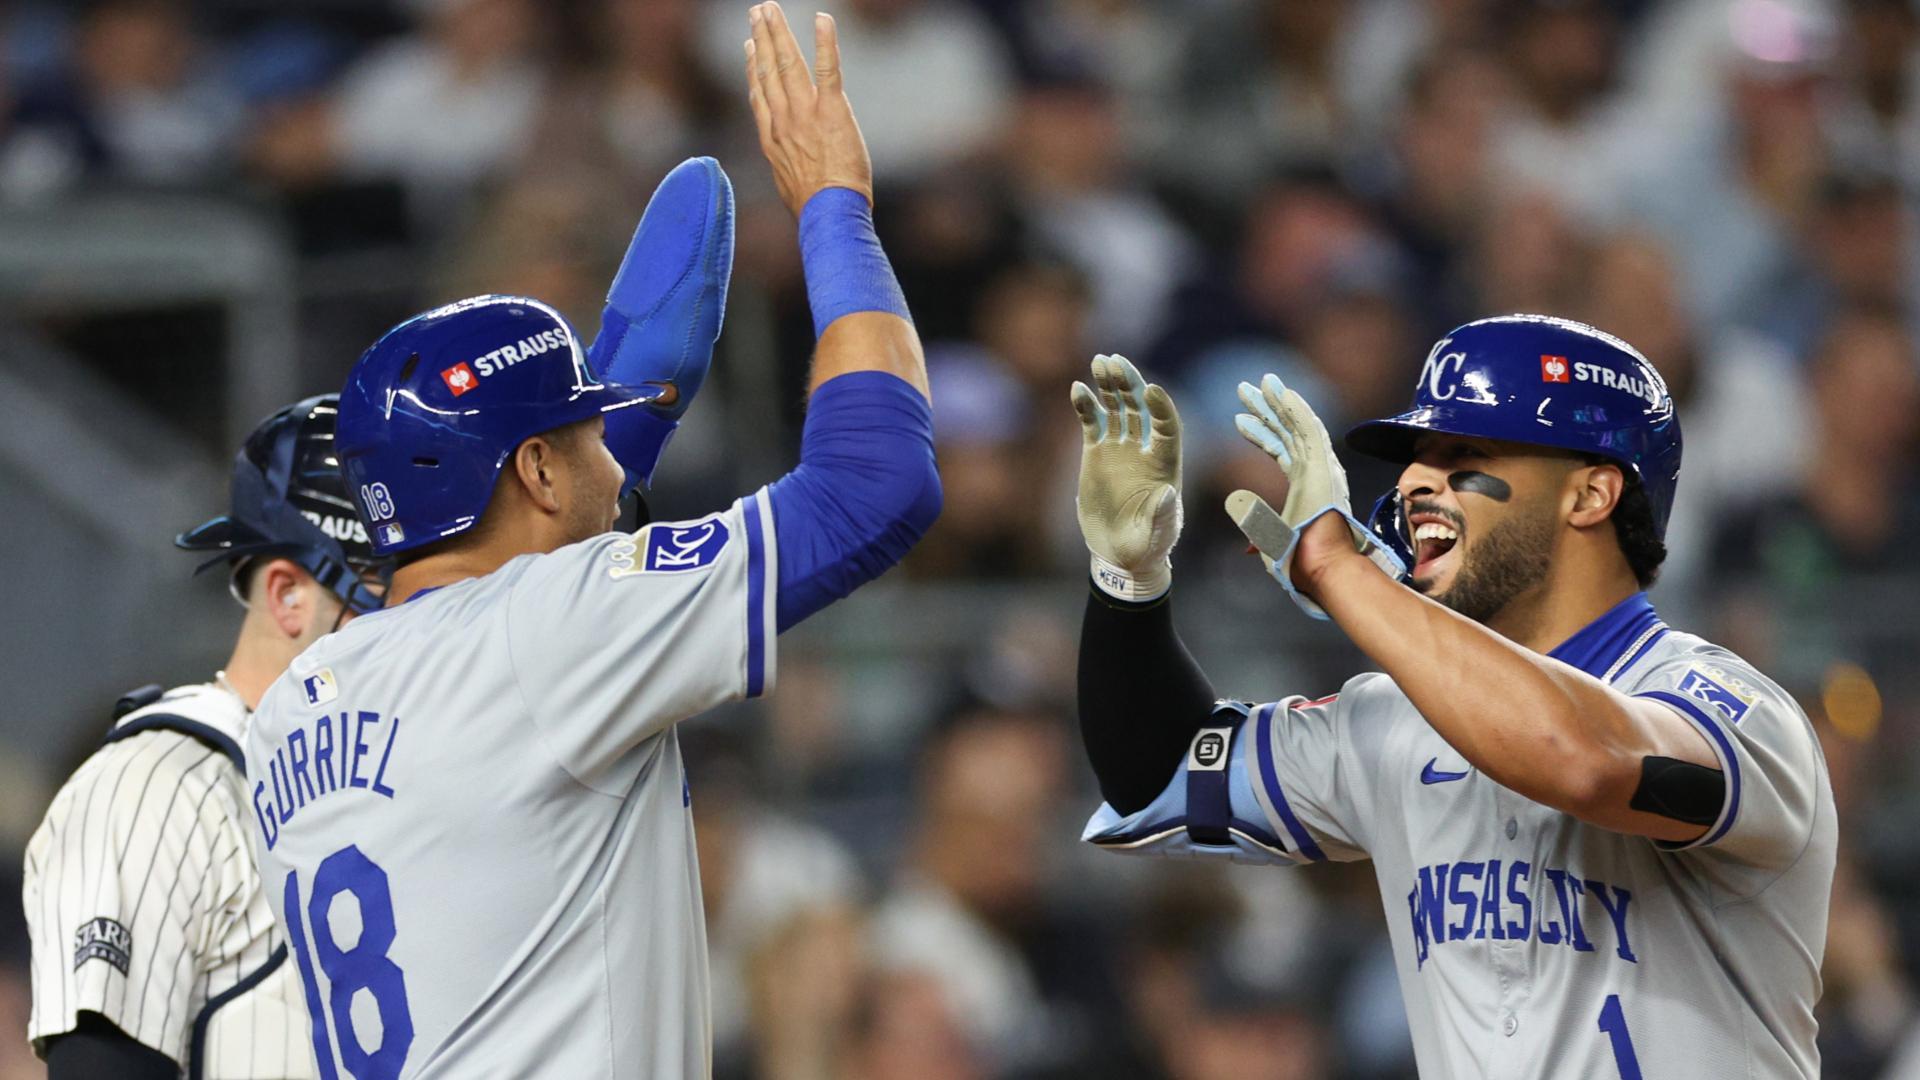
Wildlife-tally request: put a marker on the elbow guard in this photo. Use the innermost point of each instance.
(1679, 790)
(866, 491)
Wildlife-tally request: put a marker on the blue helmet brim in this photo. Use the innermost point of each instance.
(1392, 438)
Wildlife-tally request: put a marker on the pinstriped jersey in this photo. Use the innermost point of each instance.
(472, 815)
(1529, 943)
(144, 905)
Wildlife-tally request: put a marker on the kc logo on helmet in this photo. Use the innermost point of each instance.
(459, 378)
(1554, 369)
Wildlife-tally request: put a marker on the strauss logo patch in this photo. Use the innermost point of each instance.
(459, 378)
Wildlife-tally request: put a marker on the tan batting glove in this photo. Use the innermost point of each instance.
(1281, 423)
(1129, 499)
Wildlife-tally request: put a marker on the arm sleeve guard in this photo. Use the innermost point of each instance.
(1142, 697)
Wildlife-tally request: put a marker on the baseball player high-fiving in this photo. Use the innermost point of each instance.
(470, 806)
(1604, 845)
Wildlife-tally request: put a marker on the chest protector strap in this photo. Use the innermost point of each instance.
(211, 736)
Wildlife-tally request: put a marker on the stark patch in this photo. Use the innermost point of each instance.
(102, 939)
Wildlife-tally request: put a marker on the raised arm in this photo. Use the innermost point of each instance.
(821, 169)
(867, 487)
(1539, 727)
(1141, 694)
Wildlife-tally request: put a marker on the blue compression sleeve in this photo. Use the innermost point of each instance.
(865, 491)
(846, 269)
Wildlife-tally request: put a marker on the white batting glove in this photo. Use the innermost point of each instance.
(1280, 422)
(1129, 499)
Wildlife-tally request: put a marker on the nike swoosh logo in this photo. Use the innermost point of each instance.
(1431, 775)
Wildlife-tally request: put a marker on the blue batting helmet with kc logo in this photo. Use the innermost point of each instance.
(433, 410)
(1545, 381)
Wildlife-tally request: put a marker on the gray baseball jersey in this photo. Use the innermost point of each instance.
(1529, 943)
(471, 813)
(144, 905)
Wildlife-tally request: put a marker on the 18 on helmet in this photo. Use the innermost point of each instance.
(1546, 381)
(289, 501)
(433, 410)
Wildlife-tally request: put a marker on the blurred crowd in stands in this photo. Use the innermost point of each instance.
(1215, 188)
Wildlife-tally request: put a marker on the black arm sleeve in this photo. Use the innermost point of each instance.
(1142, 697)
(97, 1050)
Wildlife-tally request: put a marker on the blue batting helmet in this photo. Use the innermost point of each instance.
(436, 406)
(1546, 381)
(289, 501)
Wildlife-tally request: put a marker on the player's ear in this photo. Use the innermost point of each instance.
(536, 462)
(1596, 493)
(288, 596)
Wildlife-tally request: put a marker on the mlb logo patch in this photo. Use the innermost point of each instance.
(320, 687)
(1554, 369)
(392, 534)
(1708, 691)
(460, 378)
(686, 547)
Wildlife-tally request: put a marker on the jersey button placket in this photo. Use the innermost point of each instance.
(1509, 956)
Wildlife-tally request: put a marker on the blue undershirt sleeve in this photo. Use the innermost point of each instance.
(865, 491)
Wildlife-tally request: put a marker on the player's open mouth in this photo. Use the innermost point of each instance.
(1433, 540)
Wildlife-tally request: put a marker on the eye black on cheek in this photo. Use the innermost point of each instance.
(1469, 481)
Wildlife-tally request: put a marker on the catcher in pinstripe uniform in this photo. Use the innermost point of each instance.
(155, 953)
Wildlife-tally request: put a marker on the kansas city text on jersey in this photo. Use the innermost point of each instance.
(331, 753)
(1474, 901)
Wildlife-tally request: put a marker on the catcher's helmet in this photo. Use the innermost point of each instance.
(435, 407)
(1546, 381)
(289, 501)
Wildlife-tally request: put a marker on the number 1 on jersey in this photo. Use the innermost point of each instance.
(1614, 1022)
(366, 966)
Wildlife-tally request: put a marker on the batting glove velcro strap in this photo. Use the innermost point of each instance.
(1275, 541)
(1279, 422)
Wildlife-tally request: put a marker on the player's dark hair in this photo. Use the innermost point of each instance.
(245, 573)
(1633, 525)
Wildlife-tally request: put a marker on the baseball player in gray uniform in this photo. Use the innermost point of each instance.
(470, 807)
(1604, 845)
(154, 951)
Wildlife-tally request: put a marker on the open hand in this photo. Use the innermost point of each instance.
(1315, 527)
(1129, 497)
(806, 124)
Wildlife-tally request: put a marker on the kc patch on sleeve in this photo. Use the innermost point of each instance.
(669, 548)
(1731, 697)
